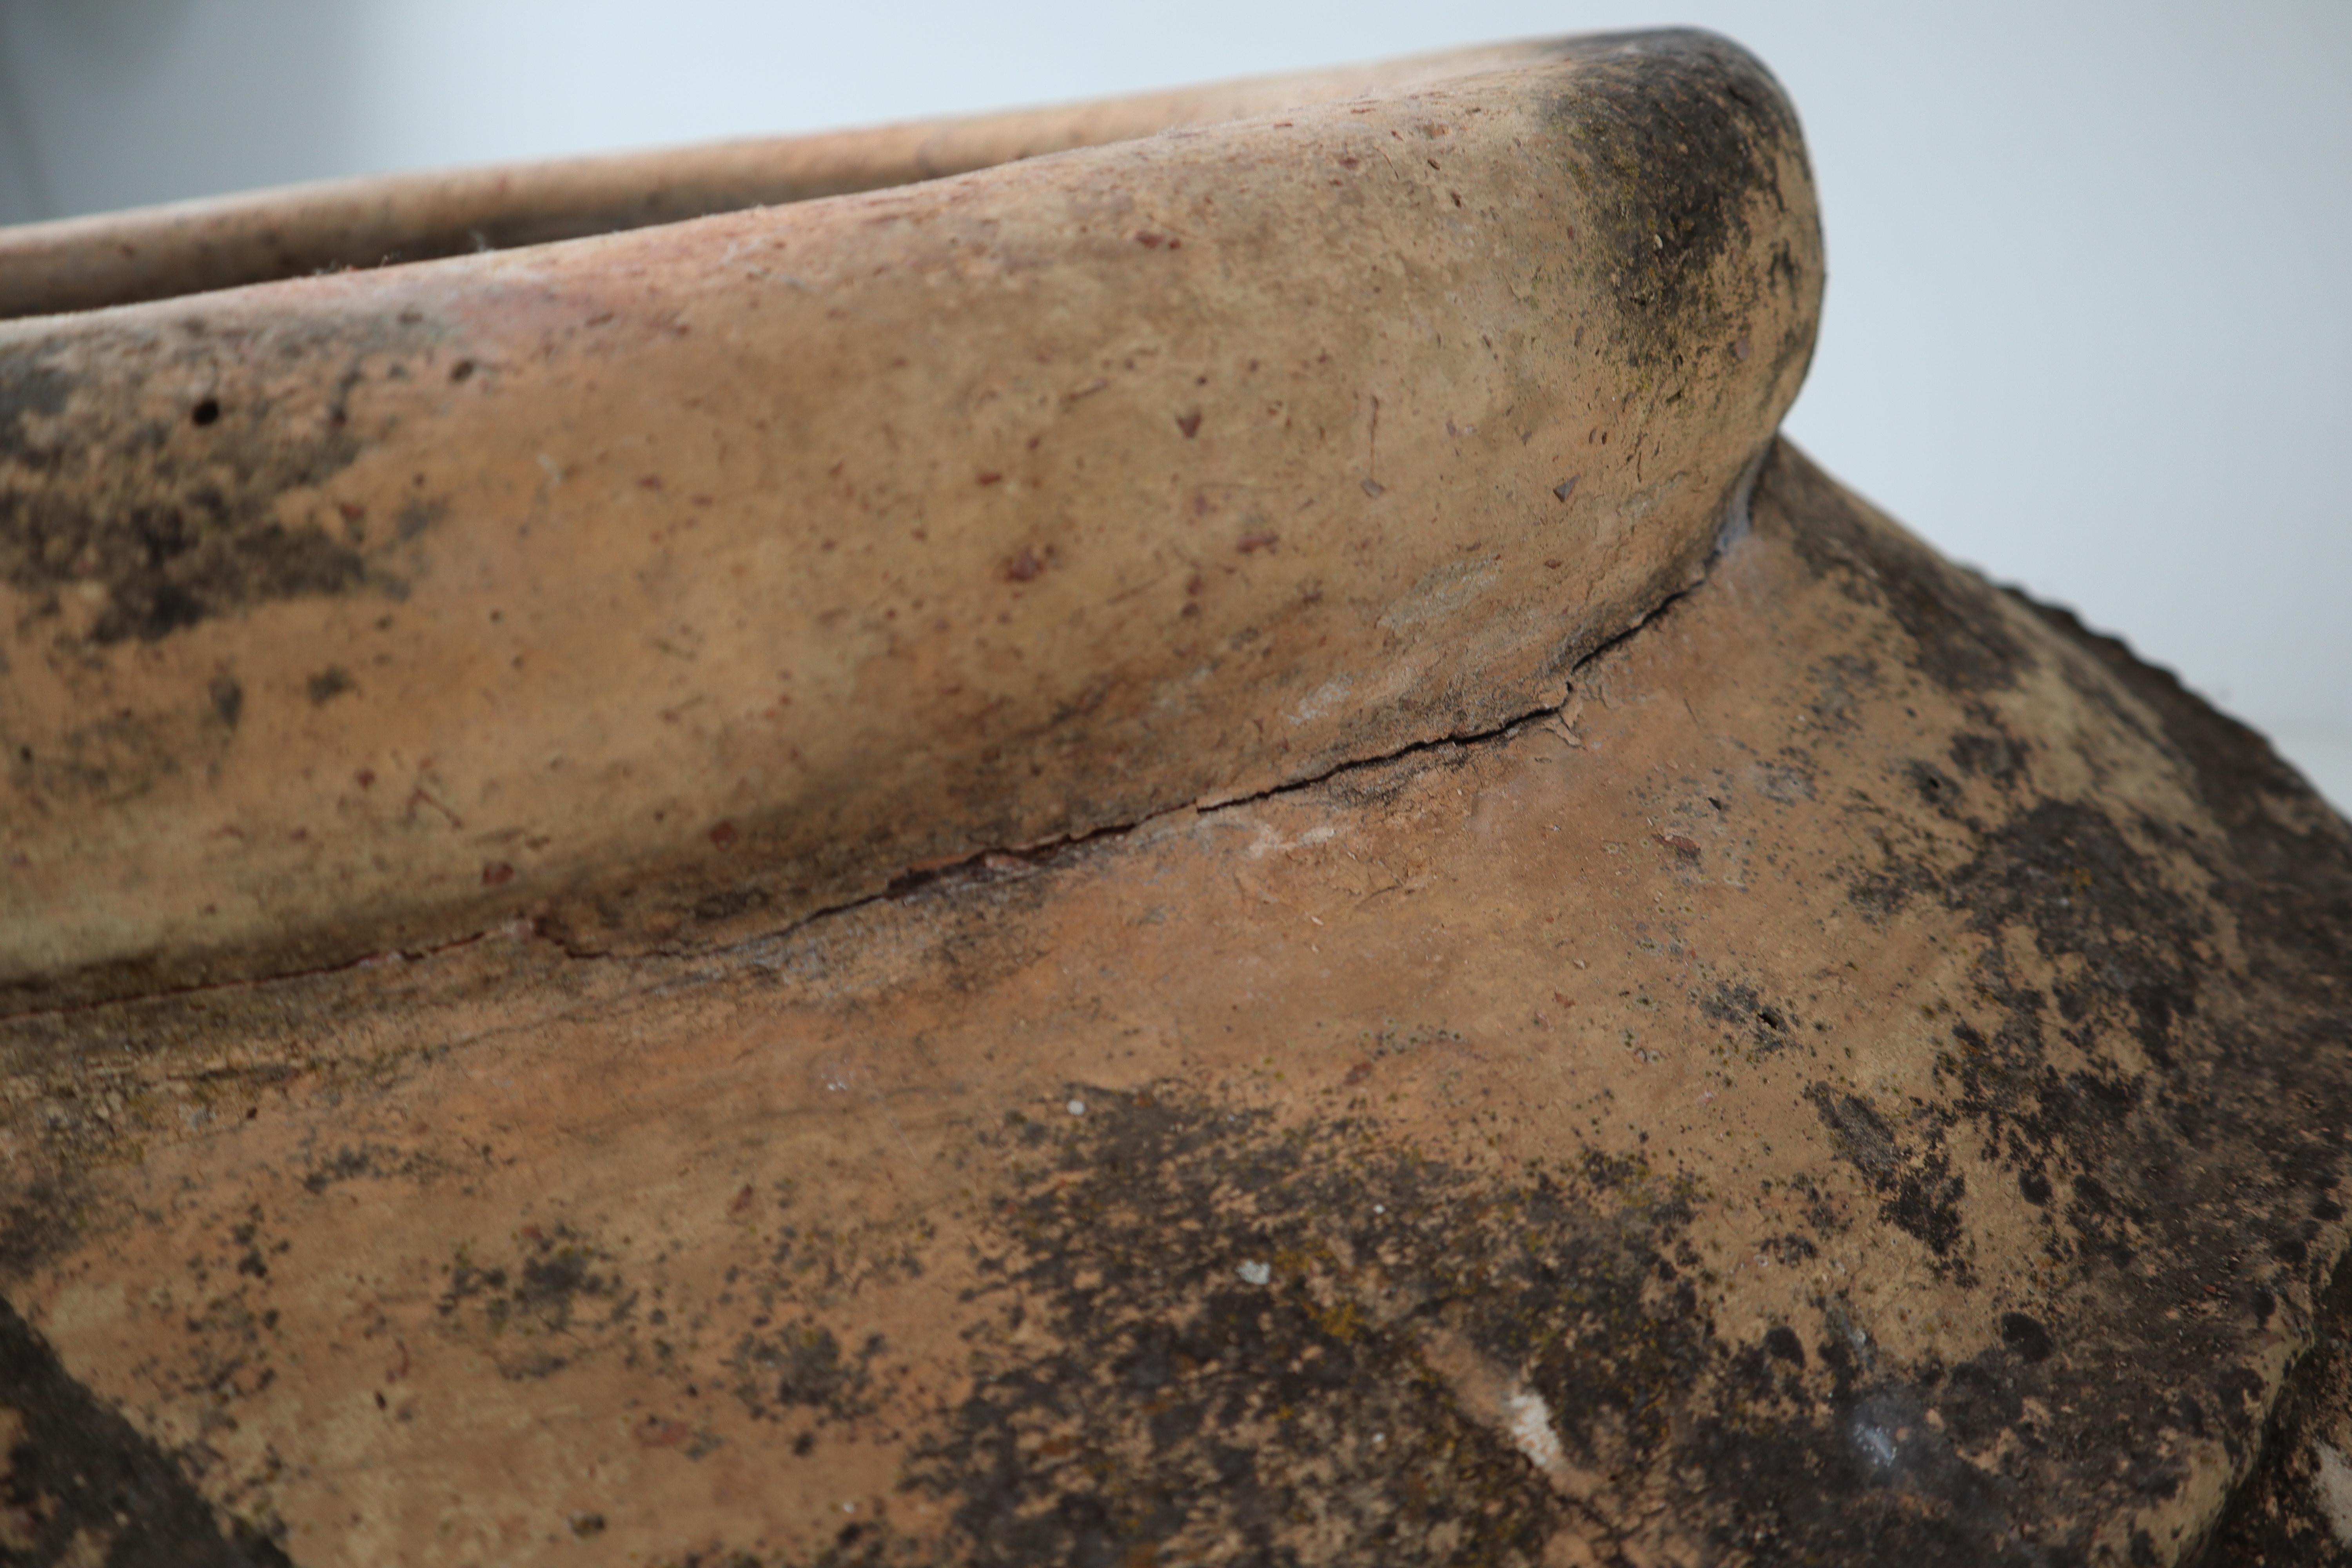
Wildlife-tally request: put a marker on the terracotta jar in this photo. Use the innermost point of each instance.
(1158, 833)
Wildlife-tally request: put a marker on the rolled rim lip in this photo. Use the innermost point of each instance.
(362, 222)
(1497, 670)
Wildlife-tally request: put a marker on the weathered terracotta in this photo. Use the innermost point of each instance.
(80, 264)
(1344, 1008)
(736, 567)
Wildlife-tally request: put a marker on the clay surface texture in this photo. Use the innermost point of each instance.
(1195, 852)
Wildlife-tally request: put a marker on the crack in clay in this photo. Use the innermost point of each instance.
(986, 866)
(1005, 863)
(981, 867)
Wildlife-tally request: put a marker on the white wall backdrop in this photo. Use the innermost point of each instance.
(2089, 322)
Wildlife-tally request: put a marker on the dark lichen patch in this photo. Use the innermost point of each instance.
(169, 553)
(30, 392)
(1788, 781)
(781, 1329)
(1859, 1133)
(1677, 136)
(1770, 1026)
(328, 684)
(366, 1160)
(232, 1356)
(178, 511)
(1231, 1343)
(804, 1366)
(120, 755)
(41, 1217)
(558, 1286)
(1840, 684)
(1880, 892)
(82, 1484)
(227, 698)
(1991, 754)
(1920, 1192)
(76, 1126)
(1936, 789)
(346, 1164)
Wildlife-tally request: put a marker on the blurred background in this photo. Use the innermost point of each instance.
(2088, 325)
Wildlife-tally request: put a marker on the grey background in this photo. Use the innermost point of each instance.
(2087, 323)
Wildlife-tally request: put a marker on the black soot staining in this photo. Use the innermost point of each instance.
(1226, 1333)
(79, 1484)
(1679, 134)
(2278, 861)
(2026, 1336)
(1221, 1339)
(2064, 873)
(177, 509)
(2289, 1512)
(2152, 1040)
(1854, 1473)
